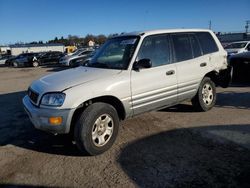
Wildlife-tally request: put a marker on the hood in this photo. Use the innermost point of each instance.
(69, 78)
(243, 56)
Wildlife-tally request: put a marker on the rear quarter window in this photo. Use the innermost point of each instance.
(207, 42)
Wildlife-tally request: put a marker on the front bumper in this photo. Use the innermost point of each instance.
(64, 63)
(39, 117)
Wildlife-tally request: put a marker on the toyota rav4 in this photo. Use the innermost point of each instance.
(131, 74)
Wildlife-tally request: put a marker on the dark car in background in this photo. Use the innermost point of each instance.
(51, 57)
(26, 60)
(34, 59)
(241, 66)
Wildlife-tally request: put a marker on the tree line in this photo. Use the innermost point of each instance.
(74, 40)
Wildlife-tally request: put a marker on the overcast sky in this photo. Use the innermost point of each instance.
(34, 20)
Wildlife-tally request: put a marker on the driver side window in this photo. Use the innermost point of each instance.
(156, 48)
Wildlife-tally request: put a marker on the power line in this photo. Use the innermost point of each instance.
(210, 24)
(247, 25)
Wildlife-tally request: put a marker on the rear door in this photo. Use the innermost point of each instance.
(47, 58)
(23, 59)
(53, 57)
(154, 87)
(210, 50)
(191, 65)
(216, 58)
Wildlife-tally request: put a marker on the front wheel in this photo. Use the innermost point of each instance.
(96, 130)
(72, 64)
(15, 64)
(205, 98)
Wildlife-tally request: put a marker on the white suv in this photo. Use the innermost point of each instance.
(131, 74)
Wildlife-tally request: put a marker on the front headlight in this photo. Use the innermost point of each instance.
(53, 99)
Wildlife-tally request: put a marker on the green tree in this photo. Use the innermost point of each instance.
(101, 39)
(89, 37)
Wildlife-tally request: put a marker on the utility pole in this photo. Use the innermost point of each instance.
(247, 25)
(210, 24)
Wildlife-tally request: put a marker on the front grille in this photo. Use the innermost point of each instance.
(33, 96)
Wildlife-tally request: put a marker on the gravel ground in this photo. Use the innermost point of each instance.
(174, 147)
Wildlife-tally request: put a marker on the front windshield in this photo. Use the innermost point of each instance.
(115, 53)
(236, 45)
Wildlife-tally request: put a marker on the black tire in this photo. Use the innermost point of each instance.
(207, 101)
(7, 64)
(71, 64)
(86, 125)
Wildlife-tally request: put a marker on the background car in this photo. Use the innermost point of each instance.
(49, 58)
(76, 59)
(9, 62)
(237, 47)
(77, 51)
(4, 58)
(241, 67)
(82, 61)
(26, 60)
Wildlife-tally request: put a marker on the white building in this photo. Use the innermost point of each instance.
(26, 48)
(4, 49)
(91, 43)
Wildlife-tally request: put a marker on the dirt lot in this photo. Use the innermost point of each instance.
(175, 147)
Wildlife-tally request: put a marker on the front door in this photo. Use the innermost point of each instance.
(154, 87)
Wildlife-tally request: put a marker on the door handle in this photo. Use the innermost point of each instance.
(203, 64)
(171, 72)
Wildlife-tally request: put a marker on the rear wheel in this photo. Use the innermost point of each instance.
(35, 64)
(96, 130)
(205, 98)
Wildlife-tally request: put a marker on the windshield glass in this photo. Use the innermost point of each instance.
(236, 45)
(115, 53)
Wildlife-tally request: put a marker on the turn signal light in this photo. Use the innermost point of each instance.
(55, 120)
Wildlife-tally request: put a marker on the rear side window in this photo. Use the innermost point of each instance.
(195, 46)
(207, 42)
(182, 47)
(156, 48)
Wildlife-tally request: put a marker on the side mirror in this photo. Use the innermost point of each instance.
(142, 64)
